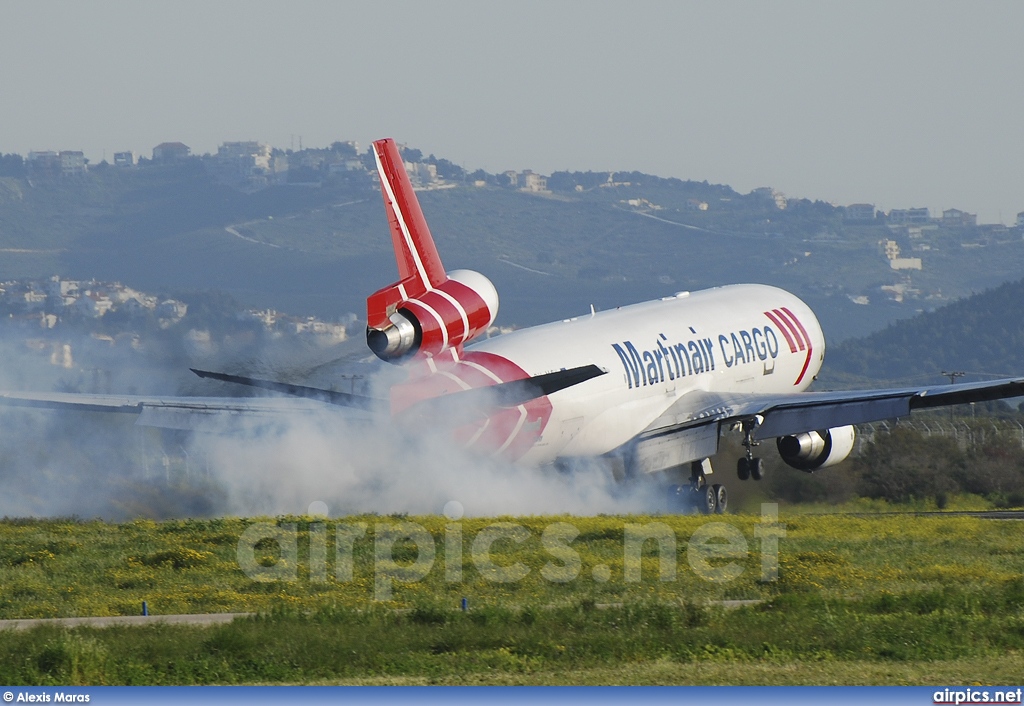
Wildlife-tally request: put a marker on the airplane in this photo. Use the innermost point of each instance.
(650, 387)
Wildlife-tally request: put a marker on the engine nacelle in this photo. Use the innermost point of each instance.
(444, 317)
(813, 450)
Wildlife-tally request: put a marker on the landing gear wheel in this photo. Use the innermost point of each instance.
(743, 468)
(721, 498)
(706, 500)
(757, 469)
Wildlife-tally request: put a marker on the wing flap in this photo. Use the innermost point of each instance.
(67, 400)
(216, 420)
(342, 399)
(797, 419)
(669, 449)
(209, 414)
(784, 414)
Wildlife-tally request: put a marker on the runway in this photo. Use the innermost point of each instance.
(118, 620)
(984, 514)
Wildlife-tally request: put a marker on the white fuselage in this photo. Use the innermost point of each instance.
(740, 338)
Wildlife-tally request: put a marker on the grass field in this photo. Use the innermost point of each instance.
(857, 599)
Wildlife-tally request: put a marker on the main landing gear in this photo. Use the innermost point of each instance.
(699, 495)
(749, 466)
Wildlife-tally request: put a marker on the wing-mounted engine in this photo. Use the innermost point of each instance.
(813, 450)
(428, 311)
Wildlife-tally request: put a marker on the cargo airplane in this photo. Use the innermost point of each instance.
(650, 387)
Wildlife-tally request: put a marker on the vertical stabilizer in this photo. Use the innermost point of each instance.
(426, 312)
(419, 265)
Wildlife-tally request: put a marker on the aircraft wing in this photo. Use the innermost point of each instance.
(228, 414)
(213, 414)
(785, 414)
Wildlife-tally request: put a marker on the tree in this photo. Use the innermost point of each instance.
(411, 154)
(12, 165)
(481, 175)
(369, 160)
(904, 465)
(344, 148)
(447, 170)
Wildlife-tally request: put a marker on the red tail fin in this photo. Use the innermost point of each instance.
(419, 265)
(426, 312)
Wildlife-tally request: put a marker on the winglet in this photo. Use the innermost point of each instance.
(419, 265)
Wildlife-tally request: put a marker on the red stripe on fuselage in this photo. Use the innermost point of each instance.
(432, 328)
(800, 342)
(476, 308)
(807, 338)
(782, 327)
(504, 431)
(450, 315)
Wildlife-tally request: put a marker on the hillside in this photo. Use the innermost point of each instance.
(982, 335)
(591, 238)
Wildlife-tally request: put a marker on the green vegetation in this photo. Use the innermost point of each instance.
(860, 642)
(909, 465)
(859, 599)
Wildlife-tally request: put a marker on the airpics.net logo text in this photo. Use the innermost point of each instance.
(715, 551)
(977, 696)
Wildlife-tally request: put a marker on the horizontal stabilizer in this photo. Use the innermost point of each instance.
(516, 392)
(342, 399)
(460, 407)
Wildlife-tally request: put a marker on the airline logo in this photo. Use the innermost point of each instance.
(667, 360)
(677, 360)
(795, 334)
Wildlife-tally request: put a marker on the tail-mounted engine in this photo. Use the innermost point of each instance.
(428, 311)
(445, 317)
(814, 450)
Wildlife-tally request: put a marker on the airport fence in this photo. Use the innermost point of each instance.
(969, 433)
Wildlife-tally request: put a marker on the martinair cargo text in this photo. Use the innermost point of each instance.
(650, 386)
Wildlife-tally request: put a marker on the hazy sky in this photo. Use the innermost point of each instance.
(897, 103)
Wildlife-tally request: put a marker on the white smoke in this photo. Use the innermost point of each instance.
(85, 464)
(89, 464)
(353, 467)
